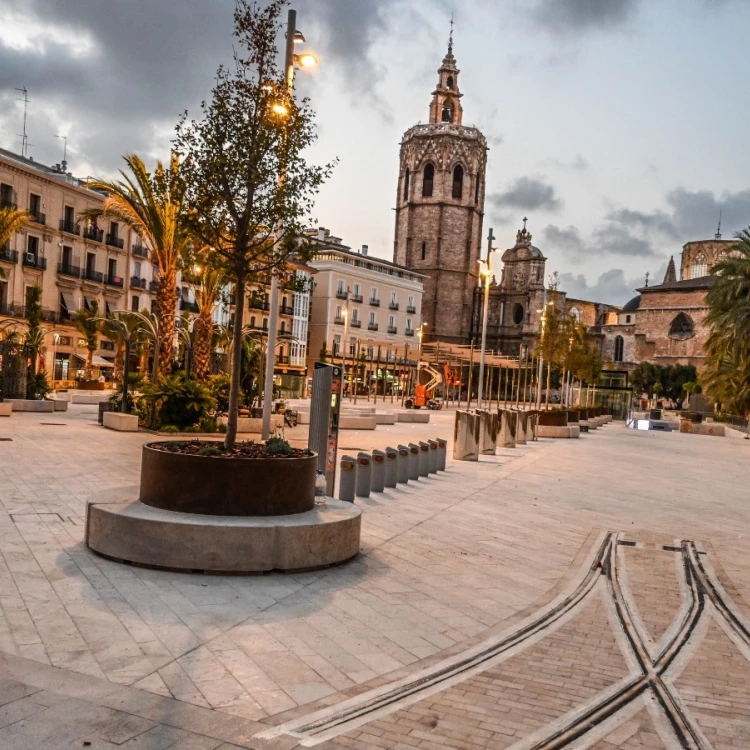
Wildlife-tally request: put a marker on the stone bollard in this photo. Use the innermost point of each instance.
(391, 467)
(413, 461)
(364, 474)
(442, 453)
(521, 420)
(434, 459)
(466, 433)
(347, 478)
(424, 458)
(402, 465)
(377, 480)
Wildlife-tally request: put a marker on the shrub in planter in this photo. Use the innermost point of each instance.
(180, 401)
(219, 387)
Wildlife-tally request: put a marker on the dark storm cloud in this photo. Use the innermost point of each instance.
(612, 286)
(609, 238)
(696, 213)
(656, 221)
(527, 194)
(571, 16)
(567, 240)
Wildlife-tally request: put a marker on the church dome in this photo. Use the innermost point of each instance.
(632, 305)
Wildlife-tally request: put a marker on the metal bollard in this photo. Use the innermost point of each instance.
(413, 461)
(377, 480)
(433, 461)
(364, 473)
(442, 453)
(402, 465)
(424, 459)
(347, 478)
(391, 467)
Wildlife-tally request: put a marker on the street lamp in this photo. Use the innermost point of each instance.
(486, 274)
(305, 60)
(420, 333)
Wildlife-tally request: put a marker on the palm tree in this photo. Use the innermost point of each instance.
(152, 205)
(89, 324)
(206, 296)
(12, 220)
(127, 329)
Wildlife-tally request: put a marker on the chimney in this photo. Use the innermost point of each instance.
(365, 249)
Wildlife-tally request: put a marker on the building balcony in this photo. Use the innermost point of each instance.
(372, 326)
(392, 329)
(136, 282)
(258, 304)
(282, 360)
(19, 311)
(286, 310)
(50, 316)
(115, 241)
(189, 306)
(409, 332)
(38, 217)
(411, 309)
(89, 274)
(342, 294)
(34, 261)
(356, 298)
(356, 324)
(66, 269)
(70, 227)
(8, 256)
(374, 302)
(393, 306)
(153, 286)
(93, 234)
(338, 320)
(5, 203)
(139, 250)
(112, 280)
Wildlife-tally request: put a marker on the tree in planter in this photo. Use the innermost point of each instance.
(206, 296)
(249, 186)
(126, 330)
(554, 337)
(153, 206)
(34, 339)
(582, 359)
(181, 402)
(89, 324)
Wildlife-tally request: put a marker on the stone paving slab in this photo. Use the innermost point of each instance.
(442, 564)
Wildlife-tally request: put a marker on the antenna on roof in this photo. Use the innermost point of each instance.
(24, 138)
(718, 229)
(647, 275)
(64, 139)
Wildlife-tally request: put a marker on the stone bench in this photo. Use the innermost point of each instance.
(702, 428)
(352, 422)
(420, 417)
(385, 418)
(60, 404)
(6, 408)
(115, 420)
(558, 431)
(31, 404)
(255, 424)
(89, 398)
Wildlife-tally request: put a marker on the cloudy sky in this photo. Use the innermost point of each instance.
(618, 126)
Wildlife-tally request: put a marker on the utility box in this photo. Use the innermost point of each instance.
(325, 410)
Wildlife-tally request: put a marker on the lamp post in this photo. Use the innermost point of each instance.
(344, 343)
(306, 60)
(486, 274)
(541, 358)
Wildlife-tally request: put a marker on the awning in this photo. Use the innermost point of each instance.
(185, 294)
(87, 301)
(101, 362)
(68, 302)
(106, 305)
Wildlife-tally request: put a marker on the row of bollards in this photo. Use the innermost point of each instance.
(480, 432)
(373, 472)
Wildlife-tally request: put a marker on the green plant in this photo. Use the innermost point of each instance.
(37, 385)
(207, 424)
(88, 323)
(278, 446)
(180, 401)
(170, 428)
(194, 428)
(209, 450)
(222, 429)
(219, 387)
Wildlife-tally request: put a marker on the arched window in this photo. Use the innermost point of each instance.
(447, 115)
(699, 269)
(619, 348)
(575, 313)
(406, 184)
(682, 327)
(518, 314)
(427, 180)
(458, 182)
(449, 82)
(424, 250)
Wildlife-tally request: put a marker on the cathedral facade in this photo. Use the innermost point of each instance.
(440, 209)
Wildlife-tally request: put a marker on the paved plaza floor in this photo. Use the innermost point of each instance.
(584, 593)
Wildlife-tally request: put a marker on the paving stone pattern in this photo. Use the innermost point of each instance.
(121, 656)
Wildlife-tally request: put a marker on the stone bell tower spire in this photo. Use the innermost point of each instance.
(446, 98)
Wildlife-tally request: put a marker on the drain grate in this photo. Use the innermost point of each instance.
(6, 440)
(54, 424)
(625, 543)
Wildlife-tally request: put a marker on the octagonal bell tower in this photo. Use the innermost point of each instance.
(440, 208)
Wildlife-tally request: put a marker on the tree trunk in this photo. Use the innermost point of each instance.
(166, 307)
(202, 329)
(234, 386)
(549, 381)
(119, 361)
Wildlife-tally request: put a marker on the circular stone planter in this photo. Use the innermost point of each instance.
(217, 486)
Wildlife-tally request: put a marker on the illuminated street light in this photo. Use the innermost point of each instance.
(306, 60)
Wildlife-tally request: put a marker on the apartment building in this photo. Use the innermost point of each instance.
(74, 260)
(362, 306)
